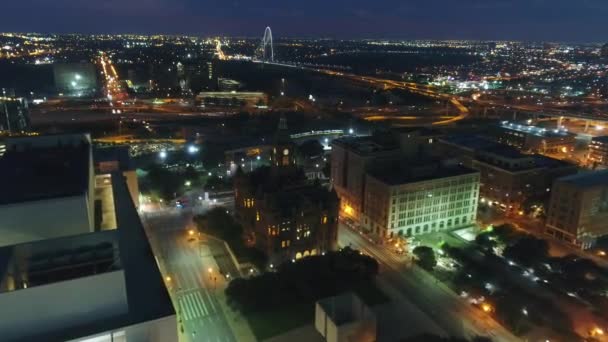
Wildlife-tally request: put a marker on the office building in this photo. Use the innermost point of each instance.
(61, 279)
(417, 142)
(407, 198)
(283, 214)
(578, 210)
(350, 159)
(532, 139)
(14, 115)
(598, 152)
(508, 178)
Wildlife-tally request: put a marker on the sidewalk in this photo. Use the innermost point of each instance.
(237, 322)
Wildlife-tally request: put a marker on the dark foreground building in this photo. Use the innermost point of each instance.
(283, 214)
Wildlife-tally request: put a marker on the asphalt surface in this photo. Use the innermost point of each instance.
(187, 260)
(455, 316)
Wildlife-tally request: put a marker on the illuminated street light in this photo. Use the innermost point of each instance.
(188, 183)
(168, 279)
(191, 232)
(486, 307)
(351, 131)
(597, 331)
(210, 270)
(162, 154)
(192, 149)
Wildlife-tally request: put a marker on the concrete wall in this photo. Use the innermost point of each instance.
(45, 219)
(62, 305)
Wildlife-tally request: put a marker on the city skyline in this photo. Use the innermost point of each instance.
(560, 20)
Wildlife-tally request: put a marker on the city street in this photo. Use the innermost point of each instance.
(456, 317)
(192, 276)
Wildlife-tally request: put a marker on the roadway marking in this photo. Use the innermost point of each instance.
(192, 306)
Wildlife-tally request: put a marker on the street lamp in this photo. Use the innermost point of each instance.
(191, 232)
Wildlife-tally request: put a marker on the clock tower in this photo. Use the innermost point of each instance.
(283, 150)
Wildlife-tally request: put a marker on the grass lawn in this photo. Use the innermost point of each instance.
(271, 323)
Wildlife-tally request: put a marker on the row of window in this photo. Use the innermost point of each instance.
(434, 226)
(433, 217)
(433, 209)
(421, 195)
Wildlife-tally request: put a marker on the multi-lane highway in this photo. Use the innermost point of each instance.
(192, 276)
(438, 302)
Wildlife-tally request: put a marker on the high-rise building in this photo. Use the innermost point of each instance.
(62, 279)
(578, 210)
(49, 176)
(283, 214)
(14, 115)
(350, 159)
(407, 198)
(509, 178)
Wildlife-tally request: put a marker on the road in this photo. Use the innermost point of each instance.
(455, 316)
(185, 262)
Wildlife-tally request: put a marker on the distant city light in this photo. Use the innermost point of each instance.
(351, 131)
(162, 154)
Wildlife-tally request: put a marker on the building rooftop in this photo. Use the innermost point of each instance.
(44, 172)
(343, 308)
(367, 145)
(587, 179)
(118, 154)
(534, 130)
(403, 172)
(420, 131)
(75, 257)
(473, 142)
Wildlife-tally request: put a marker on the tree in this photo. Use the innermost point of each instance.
(485, 241)
(311, 148)
(528, 251)
(425, 257)
(164, 182)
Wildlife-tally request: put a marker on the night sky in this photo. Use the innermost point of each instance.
(554, 20)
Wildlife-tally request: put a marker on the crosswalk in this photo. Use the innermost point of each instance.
(195, 304)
